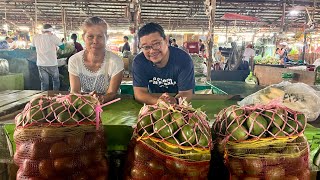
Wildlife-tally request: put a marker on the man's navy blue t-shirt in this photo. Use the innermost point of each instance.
(177, 75)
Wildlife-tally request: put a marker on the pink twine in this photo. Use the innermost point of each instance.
(98, 110)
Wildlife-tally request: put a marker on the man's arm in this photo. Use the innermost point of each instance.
(142, 95)
(186, 80)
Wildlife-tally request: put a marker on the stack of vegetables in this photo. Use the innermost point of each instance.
(170, 141)
(266, 60)
(263, 142)
(294, 54)
(60, 138)
(68, 50)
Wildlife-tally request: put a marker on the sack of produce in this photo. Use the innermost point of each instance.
(170, 141)
(69, 49)
(268, 158)
(73, 109)
(60, 138)
(296, 96)
(4, 67)
(263, 142)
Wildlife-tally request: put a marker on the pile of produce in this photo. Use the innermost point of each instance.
(69, 49)
(263, 141)
(198, 63)
(73, 109)
(294, 54)
(266, 60)
(296, 96)
(60, 138)
(170, 141)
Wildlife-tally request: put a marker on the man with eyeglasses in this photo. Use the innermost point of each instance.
(160, 68)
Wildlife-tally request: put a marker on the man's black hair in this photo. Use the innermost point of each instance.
(151, 28)
(126, 37)
(220, 48)
(7, 38)
(47, 26)
(173, 40)
(74, 36)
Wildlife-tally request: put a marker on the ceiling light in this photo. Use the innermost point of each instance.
(294, 12)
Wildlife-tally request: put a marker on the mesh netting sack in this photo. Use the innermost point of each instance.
(60, 152)
(177, 140)
(263, 142)
(268, 158)
(253, 122)
(61, 138)
(73, 109)
(296, 96)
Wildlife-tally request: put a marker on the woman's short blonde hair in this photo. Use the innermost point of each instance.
(92, 21)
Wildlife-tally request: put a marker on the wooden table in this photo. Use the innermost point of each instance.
(13, 100)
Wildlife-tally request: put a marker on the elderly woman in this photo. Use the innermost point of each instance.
(95, 70)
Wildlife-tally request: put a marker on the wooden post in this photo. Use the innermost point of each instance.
(136, 22)
(283, 15)
(211, 11)
(64, 23)
(36, 17)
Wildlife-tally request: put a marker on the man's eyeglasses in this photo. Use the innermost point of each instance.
(154, 46)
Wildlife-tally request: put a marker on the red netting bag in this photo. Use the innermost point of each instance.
(60, 138)
(170, 141)
(263, 142)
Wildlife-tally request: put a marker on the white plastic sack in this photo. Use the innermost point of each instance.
(296, 96)
(4, 67)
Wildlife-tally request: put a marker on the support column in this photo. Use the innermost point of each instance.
(210, 11)
(136, 14)
(283, 15)
(36, 17)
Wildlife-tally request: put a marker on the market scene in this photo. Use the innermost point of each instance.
(159, 89)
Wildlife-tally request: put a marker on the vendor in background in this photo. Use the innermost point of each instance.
(247, 58)
(201, 48)
(220, 58)
(46, 49)
(283, 53)
(95, 70)
(161, 68)
(174, 43)
(6, 43)
(77, 45)
(126, 46)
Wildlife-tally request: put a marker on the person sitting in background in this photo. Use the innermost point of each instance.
(77, 45)
(95, 70)
(174, 43)
(126, 46)
(220, 58)
(247, 58)
(283, 53)
(201, 48)
(161, 68)
(46, 48)
(6, 43)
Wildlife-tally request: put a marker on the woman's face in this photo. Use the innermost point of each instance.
(95, 38)
(154, 47)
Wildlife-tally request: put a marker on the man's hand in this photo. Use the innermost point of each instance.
(168, 99)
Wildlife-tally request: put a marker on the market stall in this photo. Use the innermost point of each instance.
(118, 118)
